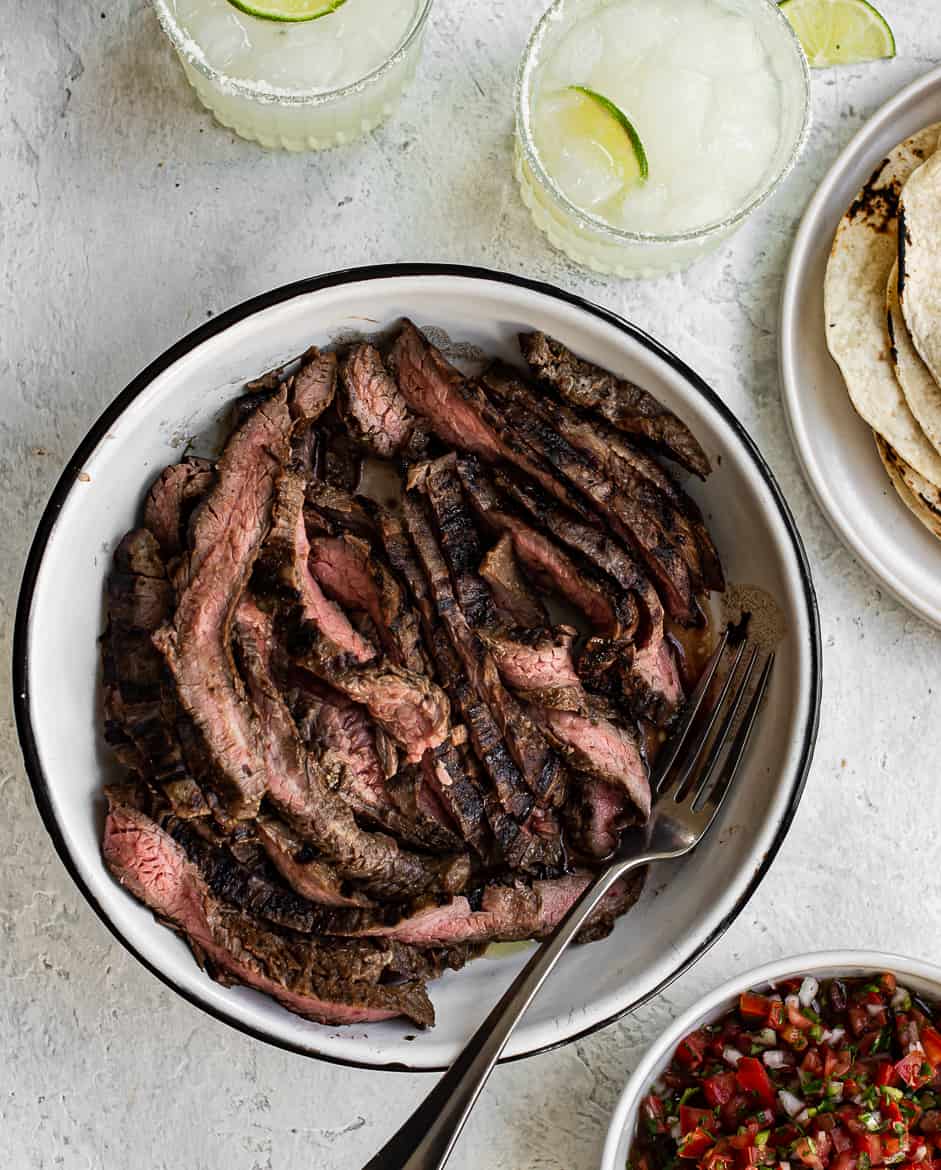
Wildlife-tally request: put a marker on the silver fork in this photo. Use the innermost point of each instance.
(688, 788)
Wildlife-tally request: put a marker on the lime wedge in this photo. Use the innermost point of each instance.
(596, 117)
(288, 10)
(839, 32)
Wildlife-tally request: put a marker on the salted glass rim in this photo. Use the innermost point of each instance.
(524, 132)
(263, 92)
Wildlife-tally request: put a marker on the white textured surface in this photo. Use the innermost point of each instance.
(126, 218)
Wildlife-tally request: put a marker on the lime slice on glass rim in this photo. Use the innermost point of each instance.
(592, 116)
(839, 32)
(288, 10)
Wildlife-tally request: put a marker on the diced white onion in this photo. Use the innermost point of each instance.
(833, 1036)
(874, 1008)
(675, 1132)
(789, 1103)
(658, 1088)
(808, 991)
(902, 998)
(803, 1117)
(768, 1037)
(920, 1154)
(835, 1090)
(775, 1058)
(793, 1003)
(873, 1121)
(784, 1166)
(731, 1056)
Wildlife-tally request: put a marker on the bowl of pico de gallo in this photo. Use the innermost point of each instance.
(827, 1061)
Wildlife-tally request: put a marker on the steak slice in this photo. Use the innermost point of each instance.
(351, 571)
(171, 500)
(457, 787)
(301, 867)
(632, 519)
(330, 509)
(460, 414)
(459, 541)
(372, 404)
(620, 402)
(516, 602)
(300, 789)
(228, 531)
(313, 387)
(536, 660)
(652, 685)
(634, 473)
(333, 983)
(509, 913)
(544, 560)
(540, 766)
(597, 816)
(597, 747)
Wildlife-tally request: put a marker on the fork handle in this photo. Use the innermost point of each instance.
(426, 1140)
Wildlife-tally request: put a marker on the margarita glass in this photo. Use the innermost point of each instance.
(647, 130)
(298, 85)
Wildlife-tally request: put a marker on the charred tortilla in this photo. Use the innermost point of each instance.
(920, 261)
(921, 391)
(921, 498)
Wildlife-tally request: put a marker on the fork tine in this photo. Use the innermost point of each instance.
(708, 767)
(670, 752)
(703, 738)
(740, 743)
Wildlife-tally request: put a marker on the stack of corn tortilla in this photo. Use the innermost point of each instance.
(883, 316)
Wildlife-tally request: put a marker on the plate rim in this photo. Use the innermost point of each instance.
(846, 532)
(232, 316)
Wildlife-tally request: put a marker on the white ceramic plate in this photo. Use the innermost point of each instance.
(60, 612)
(920, 977)
(834, 445)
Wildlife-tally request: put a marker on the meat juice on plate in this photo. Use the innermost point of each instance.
(297, 84)
(658, 118)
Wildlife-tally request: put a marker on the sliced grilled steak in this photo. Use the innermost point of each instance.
(617, 400)
(599, 748)
(516, 602)
(302, 869)
(314, 385)
(459, 541)
(171, 500)
(284, 569)
(301, 792)
(631, 518)
(653, 687)
(543, 559)
(373, 406)
(330, 509)
(343, 738)
(535, 659)
(228, 531)
(508, 913)
(350, 571)
(540, 766)
(460, 414)
(634, 473)
(333, 982)
(596, 817)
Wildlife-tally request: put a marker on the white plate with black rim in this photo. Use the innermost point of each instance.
(685, 908)
(834, 445)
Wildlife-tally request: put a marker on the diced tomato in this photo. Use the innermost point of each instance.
(891, 1111)
(858, 1018)
(690, 1049)
(869, 1144)
(717, 1160)
(888, 982)
(695, 1144)
(875, 1009)
(776, 1014)
(651, 1110)
(850, 1087)
(797, 1019)
(886, 1074)
(794, 1037)
(754, 1007)
(784, 1135)
(719, 1089)
(806, 1151)
(915, 1070)
(836, 1064)
(812, 1064)
(844, 1161)
(931, 1039)
(732, 1112)
(691, 1118)
(753, 1078)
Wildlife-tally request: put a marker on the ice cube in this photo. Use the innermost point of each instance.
(577, 56)
(219, 30)
(585, 172)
